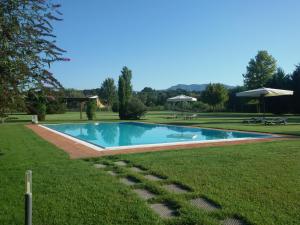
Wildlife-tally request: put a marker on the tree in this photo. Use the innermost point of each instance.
(27, 48)
(215, 95)
(91, 107)
(296, 88)
(136, 109)
(108, 91)
(259, 70)
(124, 92)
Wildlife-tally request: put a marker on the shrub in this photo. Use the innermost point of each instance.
(200, 107)
(91, 107)
(115, 107)
(136, 109)
(41, 109)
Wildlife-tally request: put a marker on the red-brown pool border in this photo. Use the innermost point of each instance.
(77, 150)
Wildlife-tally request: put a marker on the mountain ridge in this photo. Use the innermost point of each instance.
(194, 87)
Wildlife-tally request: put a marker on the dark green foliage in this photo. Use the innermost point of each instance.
(296, 88)
(215, 95)
(41, 110)
(91, 107)
(56, 106)
(259, 70)
(36, 104)
(279, 104)
(115, 106)
(136, 109)
(27, 48)
(124, 92)
(108, 92)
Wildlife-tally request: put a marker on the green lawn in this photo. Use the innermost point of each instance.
(257, 182)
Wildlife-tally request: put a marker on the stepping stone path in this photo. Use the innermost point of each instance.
(204, 204)
(144, 193)
(175, 188)
(153, 177)
(120, 163)
(128, 181)
(99, 166)
(112, 173)
(136, 169)
(232, 221)
(163, 210)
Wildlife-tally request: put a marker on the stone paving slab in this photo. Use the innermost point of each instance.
(136, 169)
(175, 188)
(128, 181)
(153, 177)
(232, 221)
(99, 166)
(112, 173)
(204, 204)
(144, 193)
(163, 210)
(120, 163)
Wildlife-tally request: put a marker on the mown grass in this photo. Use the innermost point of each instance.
(65, 191)
(257, 182)
(210, 120)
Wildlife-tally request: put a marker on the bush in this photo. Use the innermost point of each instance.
(200, 107)
(41, 109)
(56, 107)
(91, 107)
(115, 107)
(136, 109)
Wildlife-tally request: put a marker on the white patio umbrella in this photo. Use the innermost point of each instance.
(264, 92)
(182, 98)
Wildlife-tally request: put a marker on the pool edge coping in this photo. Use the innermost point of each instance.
(77, 150)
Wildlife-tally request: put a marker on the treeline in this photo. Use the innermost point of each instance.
(262, 71)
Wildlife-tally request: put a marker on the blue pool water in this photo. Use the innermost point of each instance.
(132, 133)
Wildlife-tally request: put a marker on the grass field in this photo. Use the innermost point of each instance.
(258, 182)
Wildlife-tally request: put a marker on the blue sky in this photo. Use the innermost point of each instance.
(167, 42)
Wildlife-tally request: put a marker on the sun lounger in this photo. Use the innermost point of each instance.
(173, 116)
(276, 121)
(254, 120)
(189, 117)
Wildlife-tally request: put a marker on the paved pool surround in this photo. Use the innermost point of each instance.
(78, 149)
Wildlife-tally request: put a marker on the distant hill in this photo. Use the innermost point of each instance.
(193, 87)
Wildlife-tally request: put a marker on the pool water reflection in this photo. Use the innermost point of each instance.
(117, 134)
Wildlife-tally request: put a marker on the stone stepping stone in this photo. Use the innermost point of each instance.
(136, 169)
(120, 163)
(144, 193)
(204, 204)
(112, 173)
(128, 181)
(163, 210)
(232, 221)
(99, 166)
(153, 177)
(175, 188)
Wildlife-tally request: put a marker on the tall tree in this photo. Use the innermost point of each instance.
(108, 91)
(259, 70)
(215, 95)
(27, 48)
(124, 91)
(296, 88)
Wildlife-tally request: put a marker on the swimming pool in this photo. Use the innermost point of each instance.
(118, 135)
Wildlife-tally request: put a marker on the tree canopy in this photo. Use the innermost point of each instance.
(124, 91)
(215, 94)
(259, 70)
(27, 48)
(108, 91)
